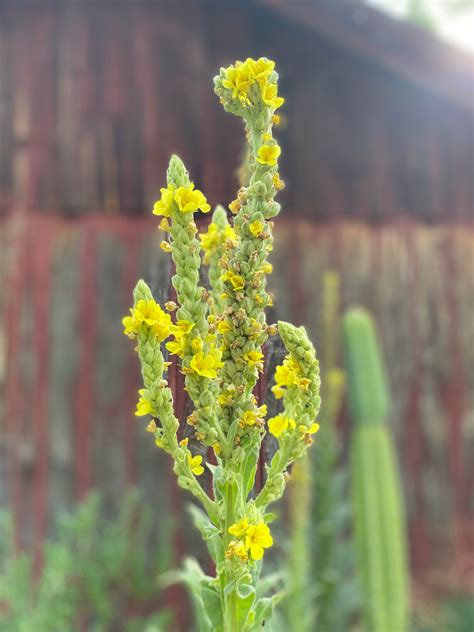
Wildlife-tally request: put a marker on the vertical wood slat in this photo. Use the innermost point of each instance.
(84, 404)
(64, 349)
(42, 243)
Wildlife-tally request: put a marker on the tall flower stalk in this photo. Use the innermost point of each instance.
(217, 336)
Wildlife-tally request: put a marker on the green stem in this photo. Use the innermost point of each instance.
(229, 603)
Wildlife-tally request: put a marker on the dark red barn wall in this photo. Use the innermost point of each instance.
(92, 103)
(70, 379)
(93, 100)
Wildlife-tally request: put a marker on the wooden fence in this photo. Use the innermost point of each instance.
(68, 379)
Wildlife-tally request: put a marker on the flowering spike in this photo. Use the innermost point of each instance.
(217, 337)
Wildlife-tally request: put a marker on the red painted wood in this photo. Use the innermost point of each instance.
(454, 398)
(15, 403)
(42, 243)
(413, 434)
(84, 395)
(130, 276)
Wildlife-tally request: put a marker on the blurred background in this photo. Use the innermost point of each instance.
(377, 139)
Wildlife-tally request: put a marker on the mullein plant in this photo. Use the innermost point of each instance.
(217, 337)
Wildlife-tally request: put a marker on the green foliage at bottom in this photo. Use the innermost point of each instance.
(96, 572)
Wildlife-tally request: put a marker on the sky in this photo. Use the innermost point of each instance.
(456, 27)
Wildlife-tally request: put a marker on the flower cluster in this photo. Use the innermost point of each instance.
(186, 199)
(150, 314)
(254, 538)
(288, 374)
(215, 336)
(281, 423)
(217, 238)
(251, 78)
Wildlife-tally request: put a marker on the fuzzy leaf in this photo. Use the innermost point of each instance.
(264, 609)
(249, 470)
(212, 604)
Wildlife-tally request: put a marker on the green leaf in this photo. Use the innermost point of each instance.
(202, 521)
(264, 609)
(218, 484)
(249, 470)
(270, 517)
(193, 577)
(239, 602)
(232, 431)
(209, 532)
(212, 604)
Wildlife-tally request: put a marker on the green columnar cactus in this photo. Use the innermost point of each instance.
(377, 504)
(217, 338)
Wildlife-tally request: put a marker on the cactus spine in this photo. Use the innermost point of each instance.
(377, 504)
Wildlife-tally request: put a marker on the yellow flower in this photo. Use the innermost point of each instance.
(181, 328)
(190, 200)
(217, 449)
(210, 240)
(224, 326)
(268, 154)
(196, 345)
(253, 358)
(235, 280)
(163, 205)
(241, 77)
(184, 442)
(239, 528)
(150, 313)
(144, 406)
(279, 424)
(130, 325)
(258, 538)
(176, 347)
(249, 418)
(215, 238)
(267, 268)
(234, 207)
(151, 426)
(276, 119)
(256, 227)
(164, 225)
(231, 81)
(166, 246)
(206, 364)
(238, 78)
(277, 182)
(277, 390)
(270, 96)
(195, 464)
(286, 374)
(225, 399)
(170, 306)
(236, 549)
(260, 69)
